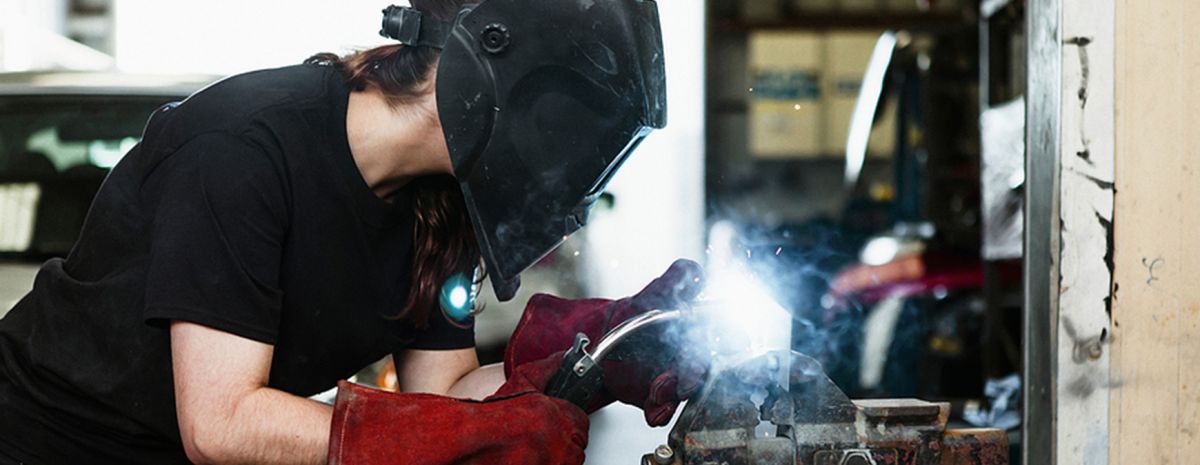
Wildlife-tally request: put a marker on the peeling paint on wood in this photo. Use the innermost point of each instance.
(1086, 193)
(1156, 347)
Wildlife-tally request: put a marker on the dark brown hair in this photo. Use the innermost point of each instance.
(443, 239)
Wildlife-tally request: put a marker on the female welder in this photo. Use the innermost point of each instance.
(281, 229)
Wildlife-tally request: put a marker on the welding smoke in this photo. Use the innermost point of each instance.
(748, 313)
(774, 282)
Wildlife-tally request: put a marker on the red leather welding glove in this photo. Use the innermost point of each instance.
(550, 324)
(517, 425)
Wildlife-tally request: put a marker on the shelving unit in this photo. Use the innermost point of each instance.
(830, 21)
(938, 69)
(728, 102)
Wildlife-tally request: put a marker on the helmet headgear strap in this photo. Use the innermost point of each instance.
(410, 27)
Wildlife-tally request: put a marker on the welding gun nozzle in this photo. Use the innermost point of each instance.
(663, 454)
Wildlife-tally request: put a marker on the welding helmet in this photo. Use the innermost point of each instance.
(541, 101)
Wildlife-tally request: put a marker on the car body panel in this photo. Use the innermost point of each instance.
(100, 83)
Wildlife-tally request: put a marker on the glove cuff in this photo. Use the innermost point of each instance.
(549, 324)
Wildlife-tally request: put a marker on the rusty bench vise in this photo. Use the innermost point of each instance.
(814, 423)
(779, 408)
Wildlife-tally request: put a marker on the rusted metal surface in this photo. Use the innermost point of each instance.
(900, 409)
(825, 428)
(975, 447)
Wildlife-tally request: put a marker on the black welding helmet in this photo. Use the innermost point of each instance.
(541, 101)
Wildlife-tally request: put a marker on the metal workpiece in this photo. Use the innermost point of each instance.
(663, 455)
(779, 408)
(975, 446)
(827, 428)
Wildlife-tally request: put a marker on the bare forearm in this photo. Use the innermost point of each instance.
(479, 383)
(228, 415)
(267, 426)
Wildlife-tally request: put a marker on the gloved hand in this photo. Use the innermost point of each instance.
(517, 425)
(655, 384)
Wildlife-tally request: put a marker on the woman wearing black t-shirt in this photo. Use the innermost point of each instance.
(281, 229)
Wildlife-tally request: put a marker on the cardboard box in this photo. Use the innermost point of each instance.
(785, 115)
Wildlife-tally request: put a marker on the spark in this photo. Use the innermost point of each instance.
(742, 308)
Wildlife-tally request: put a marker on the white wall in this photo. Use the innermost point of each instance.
(50, 15)
(659, 209)
(230, 36)
(23, 25)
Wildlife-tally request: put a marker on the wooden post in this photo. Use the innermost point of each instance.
(1155, 371)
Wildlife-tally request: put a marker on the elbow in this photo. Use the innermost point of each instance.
(196, 455)
(203, 446)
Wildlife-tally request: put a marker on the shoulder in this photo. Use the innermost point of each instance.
(223, 158)
(234, 104)
(267, 87)
(227, 171)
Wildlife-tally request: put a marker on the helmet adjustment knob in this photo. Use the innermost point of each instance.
(495, 38)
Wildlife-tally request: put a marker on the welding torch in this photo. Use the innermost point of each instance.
(580, 376)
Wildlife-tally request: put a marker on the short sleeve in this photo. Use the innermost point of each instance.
(216, 236)
(444, 334)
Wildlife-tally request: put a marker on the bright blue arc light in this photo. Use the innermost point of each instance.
(456, 300)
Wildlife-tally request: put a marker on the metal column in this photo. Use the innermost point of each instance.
(1042, 233)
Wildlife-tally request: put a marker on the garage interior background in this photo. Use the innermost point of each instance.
(904, 267)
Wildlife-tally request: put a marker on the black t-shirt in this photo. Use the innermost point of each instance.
(241, 210)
